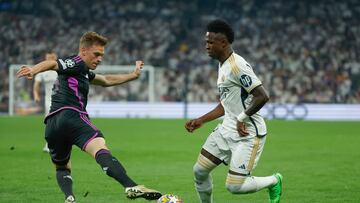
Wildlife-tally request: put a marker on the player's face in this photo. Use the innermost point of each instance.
(93, 55)
(214, 44)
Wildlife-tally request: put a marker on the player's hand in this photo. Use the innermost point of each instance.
(25, 71)
(192, 125)
(138, 66)
(241, 128)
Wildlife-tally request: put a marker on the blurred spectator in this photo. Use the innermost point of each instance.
(304, 51)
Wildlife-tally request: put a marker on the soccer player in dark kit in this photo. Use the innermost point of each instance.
(68, 122)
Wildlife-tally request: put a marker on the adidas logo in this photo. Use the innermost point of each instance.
(242, 166)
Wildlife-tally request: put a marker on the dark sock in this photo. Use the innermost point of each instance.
(113, 168)
(64, 180)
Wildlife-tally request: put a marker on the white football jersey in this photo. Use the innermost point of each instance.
(235, 81)
(47, 78)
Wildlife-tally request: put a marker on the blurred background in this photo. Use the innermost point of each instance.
(305, 52)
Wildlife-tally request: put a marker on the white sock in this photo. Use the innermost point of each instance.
(243, 185)
(265, 182)
(203, 179)
(204, 190)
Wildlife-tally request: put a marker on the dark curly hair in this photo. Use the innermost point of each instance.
(220, 26)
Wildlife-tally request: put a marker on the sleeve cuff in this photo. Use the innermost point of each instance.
(242, 116)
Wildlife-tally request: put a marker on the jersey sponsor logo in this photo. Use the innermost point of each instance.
(69, 63)
(245, 80)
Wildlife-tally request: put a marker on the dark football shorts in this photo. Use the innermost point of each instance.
(67, 128)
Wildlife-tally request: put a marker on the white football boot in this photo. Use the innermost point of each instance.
(141, 191)
(70, 199)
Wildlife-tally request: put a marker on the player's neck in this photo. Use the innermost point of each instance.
(82, 58)
(226, 55)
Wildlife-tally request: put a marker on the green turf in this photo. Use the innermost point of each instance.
(319, 161)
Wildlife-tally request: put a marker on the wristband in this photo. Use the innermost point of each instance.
(241, 117)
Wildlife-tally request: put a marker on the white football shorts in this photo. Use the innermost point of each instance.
(241, 153)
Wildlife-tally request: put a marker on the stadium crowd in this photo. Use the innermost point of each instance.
(303, 51)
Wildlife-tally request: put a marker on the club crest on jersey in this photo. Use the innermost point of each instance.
(69, 63)
(245, 80)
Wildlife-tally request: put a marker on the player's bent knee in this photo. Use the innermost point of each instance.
(235, 184)
(95, 145)
(203, 167)
(240, 184)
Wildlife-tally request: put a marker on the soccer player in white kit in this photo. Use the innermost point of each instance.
(47, 79)
(239, 140)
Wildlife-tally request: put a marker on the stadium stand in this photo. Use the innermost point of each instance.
(304, 51)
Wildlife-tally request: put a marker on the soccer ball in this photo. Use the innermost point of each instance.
(169, 198)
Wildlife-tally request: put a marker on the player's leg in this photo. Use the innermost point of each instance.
(203, 181)
(245, 156)
(109, 164)
(63, 173)
(113, 168)
(209, 158)
(238, 183)
(93, 143)
(64, 179)
(60, 151)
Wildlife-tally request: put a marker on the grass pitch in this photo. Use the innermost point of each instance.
(319, 161)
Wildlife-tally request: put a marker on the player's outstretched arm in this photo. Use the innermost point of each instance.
(30, 72)
(194, 124)
(117, 79)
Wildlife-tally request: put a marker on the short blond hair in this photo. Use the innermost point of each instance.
(92, 38)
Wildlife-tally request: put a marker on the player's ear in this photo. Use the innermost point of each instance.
(224, 42)
(82, 50)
